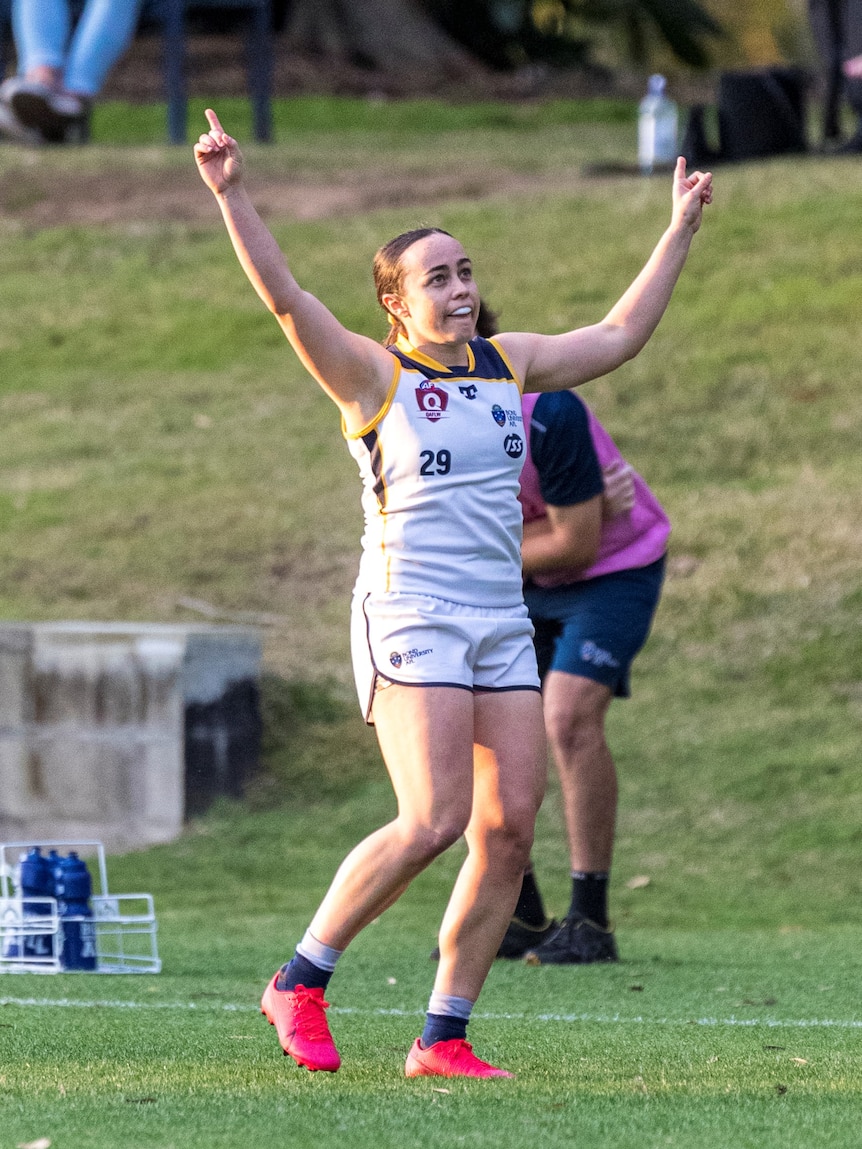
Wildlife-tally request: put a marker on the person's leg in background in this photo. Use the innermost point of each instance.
(575, 711)
(63, 65)
(41, 30)
(603, 624)
(852, 69)
(837, 29)
(101, 36)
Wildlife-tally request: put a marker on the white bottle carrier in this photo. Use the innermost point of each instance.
(31, 928)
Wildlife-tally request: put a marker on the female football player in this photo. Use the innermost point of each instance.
(442, 645)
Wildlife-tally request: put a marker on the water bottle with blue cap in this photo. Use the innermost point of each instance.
(36, 882)
(74, 887)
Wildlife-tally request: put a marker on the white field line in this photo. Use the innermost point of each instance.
(564, 1018)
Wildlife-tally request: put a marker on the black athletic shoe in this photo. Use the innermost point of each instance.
(518, 938)
(578, 941)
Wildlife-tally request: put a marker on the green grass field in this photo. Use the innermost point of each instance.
(158, 444)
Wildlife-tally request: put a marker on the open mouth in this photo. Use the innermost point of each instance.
(461, 312)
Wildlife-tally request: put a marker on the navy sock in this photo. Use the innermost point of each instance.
(530, 908)
(590, 897)
(300, 971)
(440, 1027)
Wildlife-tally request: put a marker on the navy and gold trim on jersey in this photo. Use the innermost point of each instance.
(387, 403)
(375, 458)
(485, 361)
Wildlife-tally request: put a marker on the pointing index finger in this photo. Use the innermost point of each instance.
(213, 121)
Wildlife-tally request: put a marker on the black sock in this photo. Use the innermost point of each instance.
(442, 1027)
(300, 971)
(590, 897)
(530, 908)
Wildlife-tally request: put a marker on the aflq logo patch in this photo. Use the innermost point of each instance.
(432, 402)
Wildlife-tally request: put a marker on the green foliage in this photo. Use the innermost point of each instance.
(509, 33)
(684, 26)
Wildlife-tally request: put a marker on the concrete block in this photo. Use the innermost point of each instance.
(115, 732)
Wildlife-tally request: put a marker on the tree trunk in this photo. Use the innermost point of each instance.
(394, 36)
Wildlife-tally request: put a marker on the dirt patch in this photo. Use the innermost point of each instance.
(35, 198)
(32, 194)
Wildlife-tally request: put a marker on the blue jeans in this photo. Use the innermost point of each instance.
(44, 37)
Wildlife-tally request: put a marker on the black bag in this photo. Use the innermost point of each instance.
(760, 113)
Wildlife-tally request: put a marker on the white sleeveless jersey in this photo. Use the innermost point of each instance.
(440, 465)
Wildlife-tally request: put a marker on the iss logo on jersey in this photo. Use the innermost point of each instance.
(432, 401)
(513, 445)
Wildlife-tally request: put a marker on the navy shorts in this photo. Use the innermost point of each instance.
(595, 628)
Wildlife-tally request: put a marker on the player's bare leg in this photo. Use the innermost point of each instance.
(425, 735)
(509, 782)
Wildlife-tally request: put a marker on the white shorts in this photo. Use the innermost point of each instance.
(419, 640)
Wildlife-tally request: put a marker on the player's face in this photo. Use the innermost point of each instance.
(439, 302)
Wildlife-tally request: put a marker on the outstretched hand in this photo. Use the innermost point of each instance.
(691, 193)
(218, 156)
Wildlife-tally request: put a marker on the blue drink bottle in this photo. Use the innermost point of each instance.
(36, 880)
(74, 887)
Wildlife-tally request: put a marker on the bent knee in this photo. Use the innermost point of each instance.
(427, 840)
(574, 710)
(509, 842)
(573, 730)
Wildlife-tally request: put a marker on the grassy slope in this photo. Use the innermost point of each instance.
(159, 442)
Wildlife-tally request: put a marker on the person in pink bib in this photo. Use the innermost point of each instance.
(595, 538)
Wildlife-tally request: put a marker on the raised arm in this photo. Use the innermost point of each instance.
(551, 362)
(353, 370)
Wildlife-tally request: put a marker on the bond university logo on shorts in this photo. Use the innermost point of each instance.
(400, 658)
(432, 401)
(499, 415)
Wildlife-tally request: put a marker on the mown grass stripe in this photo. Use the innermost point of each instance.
(565, 1018)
